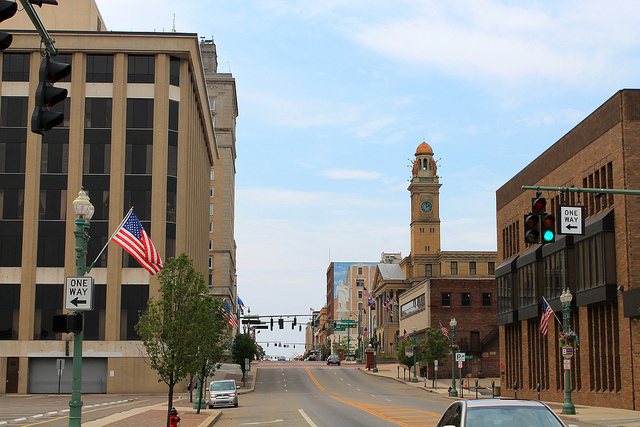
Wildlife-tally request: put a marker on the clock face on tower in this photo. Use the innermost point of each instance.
(426, 206)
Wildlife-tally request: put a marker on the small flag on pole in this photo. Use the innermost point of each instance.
(547, 312)
(229, 316)
(444, 331)
(133, 239)
(406, 335)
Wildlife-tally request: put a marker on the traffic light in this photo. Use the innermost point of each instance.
(7, 10)
(41, 2)
(295, 321)
(538, 205)
(272, 324)
(67, 323)
(532, 228)
(43, 119)
(281, 323)
(548, 228)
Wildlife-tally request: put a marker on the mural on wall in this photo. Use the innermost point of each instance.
(341, 287)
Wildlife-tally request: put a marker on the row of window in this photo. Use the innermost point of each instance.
(141, 68)
(473, 268)
(465, 299)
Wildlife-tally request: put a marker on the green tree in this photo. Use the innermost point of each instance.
(402, 357)
(177, 323)
(244, 347)
(436, 346)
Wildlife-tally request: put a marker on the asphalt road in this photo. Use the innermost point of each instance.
(53, 411)
(319, 395)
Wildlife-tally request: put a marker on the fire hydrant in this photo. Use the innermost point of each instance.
(174, 419)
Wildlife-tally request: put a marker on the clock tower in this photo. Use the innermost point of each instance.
(425, 205)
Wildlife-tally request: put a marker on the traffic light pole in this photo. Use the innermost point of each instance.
(583, 190)
(44, 35)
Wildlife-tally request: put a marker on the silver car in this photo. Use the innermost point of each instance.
(499, 413)
(223, 392)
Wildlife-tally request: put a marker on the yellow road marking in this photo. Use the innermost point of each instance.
(314, 379)
(427, 419)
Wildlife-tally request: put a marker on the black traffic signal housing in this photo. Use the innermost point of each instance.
(281, 323)
(272, 324)
(47, 95)
(7, 10)
(538, 205)
(67, 323)
(548, 228)
(41, 2)
(532, 228)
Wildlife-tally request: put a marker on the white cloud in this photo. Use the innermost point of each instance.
(351, 174)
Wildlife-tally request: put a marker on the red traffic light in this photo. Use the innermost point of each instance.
(538, 204)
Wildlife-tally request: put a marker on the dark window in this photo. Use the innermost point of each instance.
(141, 69)
(140, 199)
(428, 270)
(97, 157)
(172, 155)
(446, 299)
(486, 299)
(94, 320)
(466, 299)
(99, 68)
(10, 243)
(97, 113)
(11, 202)
(492, 268)
(53, 204)
(172, 189)
(472, 268)
(49, 301)
(139, 113)
(54, 158)
(15, 111)
(64, 59)
(133, 301)
(13, 157)
(15, 67)
(454, 268)
(170, 241)
(51, 240)
(174, 71)
(9, 311)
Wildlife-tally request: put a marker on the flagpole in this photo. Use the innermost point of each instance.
(111, 238)
(554, 313)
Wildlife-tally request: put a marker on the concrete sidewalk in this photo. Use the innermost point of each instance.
(156, 415)
(592, 415)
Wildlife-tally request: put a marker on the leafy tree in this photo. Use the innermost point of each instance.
(436, 347)
(402, 357)
(177, 323)
(244, 347)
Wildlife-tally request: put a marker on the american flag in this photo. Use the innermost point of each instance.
(547, 312)
(406, 335)
(444, 331)
(229, 316)
(133, 239)
(366, 292)
(365, 332)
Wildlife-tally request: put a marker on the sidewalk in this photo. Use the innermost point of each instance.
(593, 415)
(156, 415)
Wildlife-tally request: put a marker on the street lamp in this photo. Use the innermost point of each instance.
(83, 209)
(415, 379)
(565, 298)
(453, 323)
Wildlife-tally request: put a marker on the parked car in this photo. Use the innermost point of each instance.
(312, 357)
(499, 413)
(334, 359)
(282, 359)
(224, 392)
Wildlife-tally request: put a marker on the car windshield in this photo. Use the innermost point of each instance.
(503, 416)
(222, 385)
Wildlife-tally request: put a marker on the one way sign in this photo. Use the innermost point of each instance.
(79, 294)
(571, 220)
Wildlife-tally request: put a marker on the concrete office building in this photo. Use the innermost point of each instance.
(600, 267)
(138, 132)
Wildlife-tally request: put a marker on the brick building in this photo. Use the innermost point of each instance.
(601, 268)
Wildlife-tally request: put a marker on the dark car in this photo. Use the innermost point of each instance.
(499, 412)
(312, 357)
(334, 359)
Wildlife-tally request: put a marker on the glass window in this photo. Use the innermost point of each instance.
(133, 302)
(505, 302)
(97, 113)
(99, 68)
(492, 268)
(15, 67)
(9, 311)
(15, 111)
(94, 320)
(472, 268)
(13, 157)
(141, 69)
(486, 299)
(454, 268)
(466, 299)
(428, 270)
(139, 113)
(11, 243)
(359, 294)
(51, 241)
(54, 158)
(527, 285)
(360, 270)
(446, 299)
(49, 301)
(174, 71)
(360, 282)
(64, 58)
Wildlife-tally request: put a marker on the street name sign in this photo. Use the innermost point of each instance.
(79, 294)
(571, 220)
(348, 325)
(460, 357)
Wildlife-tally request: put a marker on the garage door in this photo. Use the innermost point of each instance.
(43, 375)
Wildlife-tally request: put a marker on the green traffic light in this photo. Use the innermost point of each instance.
(548, 236)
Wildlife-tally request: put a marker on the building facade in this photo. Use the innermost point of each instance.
(599, 267)
(410, 294)
(137, 132)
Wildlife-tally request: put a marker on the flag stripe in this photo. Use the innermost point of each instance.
(547, 312)
(132, 237)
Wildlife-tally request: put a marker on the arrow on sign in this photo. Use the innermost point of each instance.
(569, 226)
(76, 301)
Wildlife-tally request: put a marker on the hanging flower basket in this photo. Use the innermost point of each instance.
(569, 339)
(455, 348)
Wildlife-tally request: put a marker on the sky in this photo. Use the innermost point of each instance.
(334, 96)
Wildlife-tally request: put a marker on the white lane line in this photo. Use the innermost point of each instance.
(388, 400)
(307, 419)
(261, 422)
(373, 395)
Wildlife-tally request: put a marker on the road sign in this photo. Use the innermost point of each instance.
(567, 352)
(338, 328)
(567, 364)
(408, 351)
(571, 220)
(79, 294)
(348, 321)
(460, 364)
(460, 357)
(348, 325)
(469, 356)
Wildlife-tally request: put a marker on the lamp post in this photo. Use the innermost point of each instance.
(415, 378)
(83, 209)
(453, 323)
(565, 298)
(359, 356)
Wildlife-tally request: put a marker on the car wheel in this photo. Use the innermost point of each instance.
(235, 405)
(210, 406)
